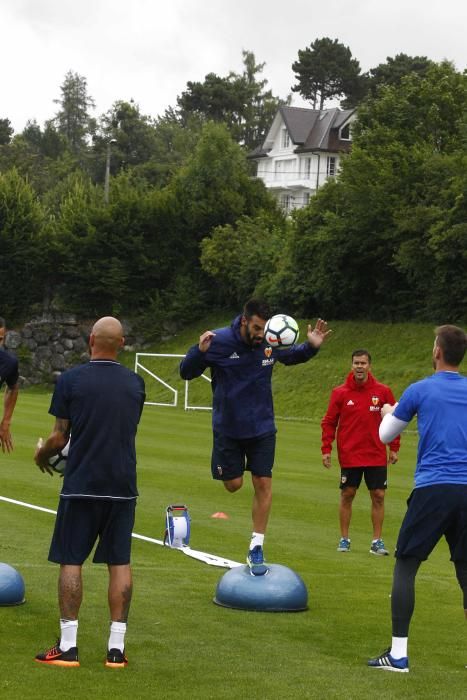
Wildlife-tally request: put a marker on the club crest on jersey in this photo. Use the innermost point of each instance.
(375, 404)
(269, 360)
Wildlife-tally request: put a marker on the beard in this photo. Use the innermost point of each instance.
(252, 340)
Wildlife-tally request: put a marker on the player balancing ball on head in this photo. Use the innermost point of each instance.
(281, 331)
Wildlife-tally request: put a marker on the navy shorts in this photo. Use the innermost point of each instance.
(434, 511)
(375, 477)
(231, 457)
(82, 521)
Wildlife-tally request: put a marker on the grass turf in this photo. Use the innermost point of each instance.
(179, 642)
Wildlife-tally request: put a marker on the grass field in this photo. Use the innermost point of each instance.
(182, 645)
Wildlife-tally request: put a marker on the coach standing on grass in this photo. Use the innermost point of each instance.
(354, 411)
(438, 504)
(10, 375)
(101, 403)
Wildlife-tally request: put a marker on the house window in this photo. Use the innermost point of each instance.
(306, 198)
(287, 202)
(285, 139)
(345, 132)
(331, 166)
(284, 169)
(307, 168)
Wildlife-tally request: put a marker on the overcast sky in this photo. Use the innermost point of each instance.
(147, 50)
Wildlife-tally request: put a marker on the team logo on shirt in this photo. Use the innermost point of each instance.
(375, 404)
(269, 360)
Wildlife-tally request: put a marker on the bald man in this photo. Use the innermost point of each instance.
(100, 403)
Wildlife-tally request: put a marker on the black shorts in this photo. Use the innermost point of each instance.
(81, 521)
(375, 477)
(434, 511)
(231, 457)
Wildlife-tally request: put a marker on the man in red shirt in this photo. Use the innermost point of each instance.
(354, 411)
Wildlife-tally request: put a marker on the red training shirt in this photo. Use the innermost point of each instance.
(355, 412)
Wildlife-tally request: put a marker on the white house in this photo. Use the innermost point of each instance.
(301, 151)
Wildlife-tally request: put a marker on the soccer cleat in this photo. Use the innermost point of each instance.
(255, 561)
(387, 663)
(377, 547)
(344, 545)
(56, 657)
(116, 659)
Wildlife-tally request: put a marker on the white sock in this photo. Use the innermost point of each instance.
(399, 647)
(257, 538)
(68, 634)
(117, 635)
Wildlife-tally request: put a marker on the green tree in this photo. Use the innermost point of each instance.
(239, 256)
(325, 70)
(388, 237)
(23, 245)
(6, 131)
(73, 118)
(392, 72)
(240, 101)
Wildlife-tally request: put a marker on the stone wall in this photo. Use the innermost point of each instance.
(48, 345)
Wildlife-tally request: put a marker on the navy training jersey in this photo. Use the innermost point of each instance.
(242, 405)
(9, 372)
(103, 402)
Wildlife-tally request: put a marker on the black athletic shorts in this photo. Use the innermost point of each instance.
(231, 457)
(82, 521)
(375, 477)
(434, 511)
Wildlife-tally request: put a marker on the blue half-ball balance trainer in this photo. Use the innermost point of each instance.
(280, 590)
(11, 586)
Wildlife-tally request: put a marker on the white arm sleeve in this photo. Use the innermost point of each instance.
(390, 427)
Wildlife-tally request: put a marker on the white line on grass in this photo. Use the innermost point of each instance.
(210, 559)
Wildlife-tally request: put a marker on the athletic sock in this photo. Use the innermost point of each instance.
(399, 647)
(117, 635)
(257, 538)
(68, 633)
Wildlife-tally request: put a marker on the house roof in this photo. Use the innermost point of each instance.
(310, 129)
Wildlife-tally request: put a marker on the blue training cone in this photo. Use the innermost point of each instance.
(11, 586)
(280, 590)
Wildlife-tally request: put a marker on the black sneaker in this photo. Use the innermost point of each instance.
(56, 657)
(116, 659)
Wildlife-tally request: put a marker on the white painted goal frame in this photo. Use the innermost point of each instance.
(140, 366)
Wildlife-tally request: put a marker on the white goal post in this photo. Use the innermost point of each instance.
(140, 368)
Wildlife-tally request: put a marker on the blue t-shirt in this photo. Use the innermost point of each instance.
(103, 402)
(440, 402)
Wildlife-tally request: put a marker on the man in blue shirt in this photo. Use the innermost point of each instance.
(100, 403)
(10, 375)
(438, 503)
(244, 432)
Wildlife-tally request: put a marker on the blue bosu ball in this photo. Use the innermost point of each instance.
(11, 586)
(280, 590)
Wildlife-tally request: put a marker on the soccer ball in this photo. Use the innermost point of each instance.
(58, 462)
(281, 331)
